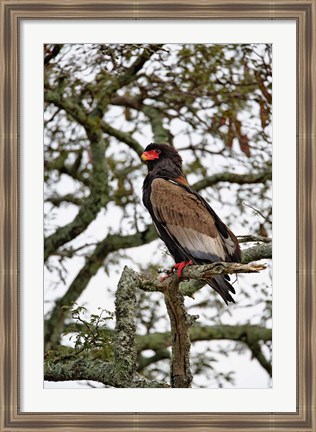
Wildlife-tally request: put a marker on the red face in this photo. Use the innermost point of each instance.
(150, 155)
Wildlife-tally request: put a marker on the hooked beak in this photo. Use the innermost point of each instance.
(149, 155)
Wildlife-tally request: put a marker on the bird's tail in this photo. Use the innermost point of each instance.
(222, 287)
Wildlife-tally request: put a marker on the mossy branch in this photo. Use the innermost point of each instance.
(94, 370)
(125, 329)
(230, 177)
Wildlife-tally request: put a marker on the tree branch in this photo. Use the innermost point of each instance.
(129, 75)
(125, 351)
(159, 341)
(93, 370)
(161, 135)
(258, 252)
(51, 52)
(121, 136)
(57, 200)
(180, 321)
(232, 178)
(70, 106)
(241, 333)
(206, 271)
(257, 353)
(249, 334)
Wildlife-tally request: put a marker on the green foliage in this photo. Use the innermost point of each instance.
(90, 334)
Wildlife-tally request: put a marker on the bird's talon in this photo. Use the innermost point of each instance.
(180, 266)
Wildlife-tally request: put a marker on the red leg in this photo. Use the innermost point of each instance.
(180, 266)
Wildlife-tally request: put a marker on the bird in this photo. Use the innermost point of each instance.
(189, 227)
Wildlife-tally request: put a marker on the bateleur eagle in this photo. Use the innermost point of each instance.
(190, 228)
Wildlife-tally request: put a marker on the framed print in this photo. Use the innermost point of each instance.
(234, 35)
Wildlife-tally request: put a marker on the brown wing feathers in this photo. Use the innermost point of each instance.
(186, 219)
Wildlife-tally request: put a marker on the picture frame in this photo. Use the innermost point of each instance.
(12, 12)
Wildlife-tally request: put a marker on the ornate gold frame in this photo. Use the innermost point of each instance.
(304, 13)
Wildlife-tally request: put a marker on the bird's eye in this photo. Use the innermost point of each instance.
(157, 151)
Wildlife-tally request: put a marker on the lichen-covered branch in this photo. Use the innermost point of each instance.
(257, 252)
(257, 353)
(79, 369)
(94, 370)
(241, 333)
(125, 348)
(231, 177)
(121, 136)
(248, 334)
(198, 273)
(249, 255)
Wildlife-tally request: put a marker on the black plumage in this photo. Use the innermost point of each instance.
(190, 228)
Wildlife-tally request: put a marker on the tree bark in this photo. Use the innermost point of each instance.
(180, 321)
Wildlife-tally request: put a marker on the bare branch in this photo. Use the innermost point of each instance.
(259, 213)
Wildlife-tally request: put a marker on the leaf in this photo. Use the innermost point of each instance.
(244, 145)
(242, 138)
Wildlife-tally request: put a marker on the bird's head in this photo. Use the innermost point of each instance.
(156, 153)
